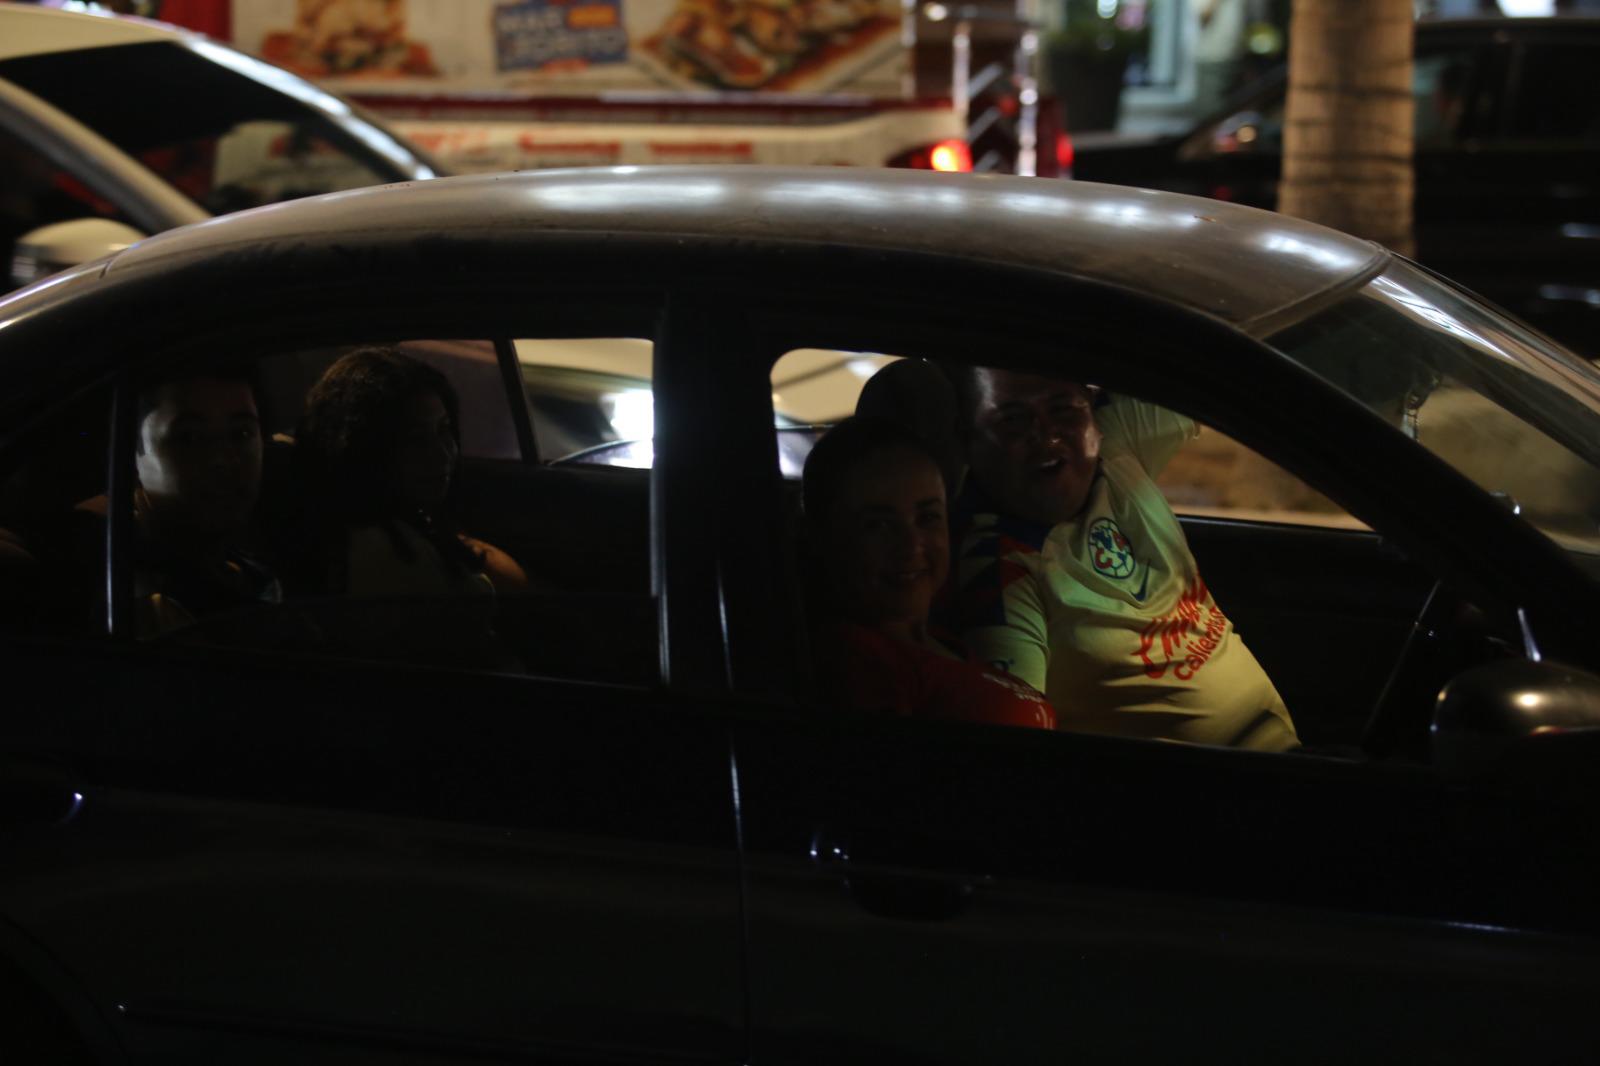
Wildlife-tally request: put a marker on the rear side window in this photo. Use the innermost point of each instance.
(374, 503)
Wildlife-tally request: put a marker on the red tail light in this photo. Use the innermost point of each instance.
(952, 157)
(1064, 152)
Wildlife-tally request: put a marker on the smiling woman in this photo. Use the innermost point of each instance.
(878, 554)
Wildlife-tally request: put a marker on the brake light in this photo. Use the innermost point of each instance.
(1064, 152)
(952, 157)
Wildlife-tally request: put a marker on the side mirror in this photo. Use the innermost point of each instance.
(1516, 717)
(43, 251)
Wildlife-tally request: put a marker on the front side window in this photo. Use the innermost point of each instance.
(1006, 548)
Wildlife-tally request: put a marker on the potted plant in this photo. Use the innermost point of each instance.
(1086, 61)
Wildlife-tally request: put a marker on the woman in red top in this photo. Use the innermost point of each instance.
(880, 545)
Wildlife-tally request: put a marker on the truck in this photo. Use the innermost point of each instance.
(485, 85)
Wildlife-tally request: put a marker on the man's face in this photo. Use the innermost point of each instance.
(199, 456)
(1035, 445)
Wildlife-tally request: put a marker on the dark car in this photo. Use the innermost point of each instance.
(1507, 163)
(642, 836)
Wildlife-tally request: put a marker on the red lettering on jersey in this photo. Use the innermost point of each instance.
(1187, 643)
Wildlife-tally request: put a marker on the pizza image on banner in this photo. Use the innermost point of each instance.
(771, 44)
(348, 38)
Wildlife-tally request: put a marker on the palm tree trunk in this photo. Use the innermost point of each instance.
(1348, 120)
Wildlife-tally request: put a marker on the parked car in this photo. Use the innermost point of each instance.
(145, 127)
(1507, 163)
(652, 841)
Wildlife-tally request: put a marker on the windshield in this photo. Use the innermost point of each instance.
(228, 131)
(1511, 410)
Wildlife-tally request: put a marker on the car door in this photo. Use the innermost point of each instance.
(229, 850)
(927, 891)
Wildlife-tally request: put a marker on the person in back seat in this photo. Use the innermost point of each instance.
(197, 458)
(376, 452)
(879, 550)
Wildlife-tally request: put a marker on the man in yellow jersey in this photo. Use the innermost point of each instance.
(1074, 575)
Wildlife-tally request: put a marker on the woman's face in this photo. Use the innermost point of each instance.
(887, 543)
(425, 454)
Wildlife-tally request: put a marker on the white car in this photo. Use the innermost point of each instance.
(123, 127)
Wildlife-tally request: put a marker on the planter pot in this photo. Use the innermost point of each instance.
(1088, 86)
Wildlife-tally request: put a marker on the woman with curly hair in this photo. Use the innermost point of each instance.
(376, 450)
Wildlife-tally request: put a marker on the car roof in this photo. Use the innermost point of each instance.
(1236, 264)
(26, 31)
(1490, 24)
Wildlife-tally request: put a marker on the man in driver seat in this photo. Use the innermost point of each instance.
(1073, 573)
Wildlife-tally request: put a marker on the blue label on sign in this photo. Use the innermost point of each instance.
(535, 33)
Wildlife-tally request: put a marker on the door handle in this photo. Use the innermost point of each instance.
(35, 793)
(890, 892)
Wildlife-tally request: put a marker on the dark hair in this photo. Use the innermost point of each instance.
(841, 450)
(345, 441)
(344, 448)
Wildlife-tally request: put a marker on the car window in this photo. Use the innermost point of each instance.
(1109, 609)
(590, 398)
(371, 502)
(225, 140)
(1549, 76)
(592, 401)
(1449, 104)
(1454, 101)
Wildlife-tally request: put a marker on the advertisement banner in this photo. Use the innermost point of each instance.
(582, 47)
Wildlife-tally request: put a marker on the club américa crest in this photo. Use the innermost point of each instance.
(1109, 551)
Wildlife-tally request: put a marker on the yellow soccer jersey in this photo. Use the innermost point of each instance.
(1108, 615)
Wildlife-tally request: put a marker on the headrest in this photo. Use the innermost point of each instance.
(916, 396)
